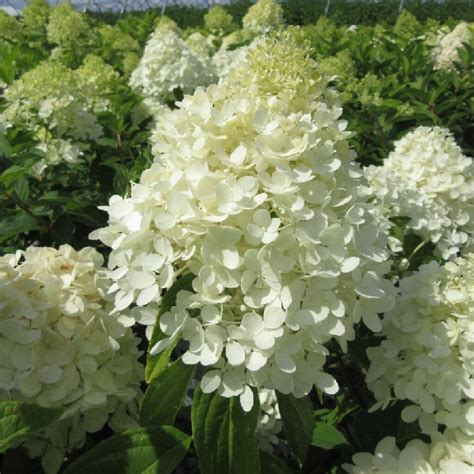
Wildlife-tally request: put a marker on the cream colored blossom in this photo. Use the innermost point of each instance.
(219, 21)
(445, 52)
(167, 65)
(427, 356)
(68, 27)
(428, 179)
(59, 347)
(448, 453)
(59, 106)
(263, 17)
(255, 191)
(200, 44)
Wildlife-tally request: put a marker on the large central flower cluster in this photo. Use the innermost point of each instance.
(428, 355)
(255, 192)
(451, 452)
(429, 180)
(445, 53)
(59, 347)
(169, 64)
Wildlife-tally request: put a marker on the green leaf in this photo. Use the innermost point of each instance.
(63, 230)
(270, 464)
(12, 174)
(224, 435)
(20, 223)
(18, 420)
(165, 395)
(327, 436)
(382, 423)
(297, 418)
(5, 147)
(156, 363)
(22, 188)
(146, 451)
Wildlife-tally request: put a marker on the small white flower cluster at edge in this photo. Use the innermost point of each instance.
(449, 453)
(60, 347)
(428, 355)
(428, 179)
(445, 53)
(255, 191)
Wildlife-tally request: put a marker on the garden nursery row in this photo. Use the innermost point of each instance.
(241, 246)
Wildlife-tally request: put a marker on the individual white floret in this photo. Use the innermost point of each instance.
(254, 191)
(60, 347)
(427, 356)
(428, 179)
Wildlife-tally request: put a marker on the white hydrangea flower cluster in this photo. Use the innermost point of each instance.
(168, 64)
(428, 179)
(49, 97)
(448, 453)
(59, 106)
(59, 347)
(445, 53)
(269, 423)
(428, 353)
(263, 17)
(255, 191)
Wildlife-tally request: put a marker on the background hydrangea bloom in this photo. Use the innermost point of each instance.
(59, 106)
(254, 191)
(219, 21)
(68, 28)
(200, 44)
(451, 452)
(59, 347)
(445, 52)
(427, 356)
(168, 64)
(440, 204)
(263, 17)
